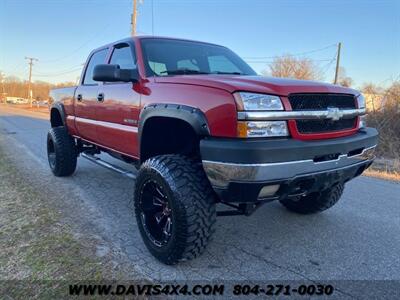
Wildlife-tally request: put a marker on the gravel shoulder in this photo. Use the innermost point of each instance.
(40, 244)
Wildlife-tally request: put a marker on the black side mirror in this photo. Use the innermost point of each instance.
(113, 73)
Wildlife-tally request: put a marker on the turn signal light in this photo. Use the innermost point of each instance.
(248, 129)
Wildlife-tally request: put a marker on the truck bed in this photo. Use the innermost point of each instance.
(62, 94)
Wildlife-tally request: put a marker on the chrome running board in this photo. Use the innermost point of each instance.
(108, 166)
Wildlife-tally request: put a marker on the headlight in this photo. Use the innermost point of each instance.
(254, 101)
(361, 101)
(262, 129)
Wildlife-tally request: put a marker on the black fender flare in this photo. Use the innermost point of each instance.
(191, 115)
(60, 108)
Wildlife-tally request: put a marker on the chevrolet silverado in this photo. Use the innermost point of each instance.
(203, 128)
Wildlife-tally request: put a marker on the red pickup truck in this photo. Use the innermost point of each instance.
(202, 128)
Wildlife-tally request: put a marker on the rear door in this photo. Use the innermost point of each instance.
(118, 113)
(86, 98)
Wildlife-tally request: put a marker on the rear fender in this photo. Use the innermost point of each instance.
(58, 107)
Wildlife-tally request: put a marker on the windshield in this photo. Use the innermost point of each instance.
(164, 57)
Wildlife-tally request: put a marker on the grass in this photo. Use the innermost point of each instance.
(395, 176)
(384, 168)
(36, 247)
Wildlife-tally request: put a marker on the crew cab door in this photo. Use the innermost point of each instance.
(86, 98)
(118, 112)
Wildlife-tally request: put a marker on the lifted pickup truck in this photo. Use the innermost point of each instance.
(202, 128)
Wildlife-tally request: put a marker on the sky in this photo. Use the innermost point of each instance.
(61, 33)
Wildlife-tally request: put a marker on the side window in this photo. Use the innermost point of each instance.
(122, 56)
(222, 64)
(97, 58)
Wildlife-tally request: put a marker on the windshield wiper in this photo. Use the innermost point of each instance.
(227, 73)
(182, 72)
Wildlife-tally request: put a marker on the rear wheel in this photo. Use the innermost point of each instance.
(315, 202)
(174, 207)
(61, 152)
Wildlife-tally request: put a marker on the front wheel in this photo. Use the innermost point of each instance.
(174, 207)
(315, 202)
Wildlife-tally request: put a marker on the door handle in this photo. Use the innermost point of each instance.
(79, 97)
(100, 97)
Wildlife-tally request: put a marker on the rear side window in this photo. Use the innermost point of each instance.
(97, 58)
(123, 57)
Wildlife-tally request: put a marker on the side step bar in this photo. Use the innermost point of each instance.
(108, 166)
(241, 209)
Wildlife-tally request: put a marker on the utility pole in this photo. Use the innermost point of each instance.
(30, 63)
(134, 16)
(337, 63)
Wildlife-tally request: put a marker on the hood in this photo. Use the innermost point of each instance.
(257, 84)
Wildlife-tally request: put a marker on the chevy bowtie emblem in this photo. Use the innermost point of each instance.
(334, 113)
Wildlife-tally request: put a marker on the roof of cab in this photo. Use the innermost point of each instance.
(141, 37)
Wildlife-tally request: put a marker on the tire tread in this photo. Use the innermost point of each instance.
(195, 202)
(315, 203)
(66, 153)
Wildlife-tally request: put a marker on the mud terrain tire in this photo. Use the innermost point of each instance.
(172, 192)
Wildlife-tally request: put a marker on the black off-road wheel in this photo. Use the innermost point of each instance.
(174, 207)
(315, 202)
(61, 152)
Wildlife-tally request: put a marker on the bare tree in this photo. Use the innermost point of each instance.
(370, 88)
(344, 80)
(387, 121)
(2, 89)
(392, 97)
(373, 96)
(15, 87)
(291, 67)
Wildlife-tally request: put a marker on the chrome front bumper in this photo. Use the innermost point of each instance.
(221, 174)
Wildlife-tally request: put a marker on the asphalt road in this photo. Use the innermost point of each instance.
(358, 239)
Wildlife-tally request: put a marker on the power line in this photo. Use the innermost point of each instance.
(17, 69)
(271, 61)
(70, 69)
(58, 74)
(100, 31)
(295, 54)
(391, 78)
(326, 67)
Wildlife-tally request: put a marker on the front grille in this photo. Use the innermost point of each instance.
(321, 101)
(323, 126)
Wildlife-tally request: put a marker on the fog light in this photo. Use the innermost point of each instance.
(268, 190)
(363, 122)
